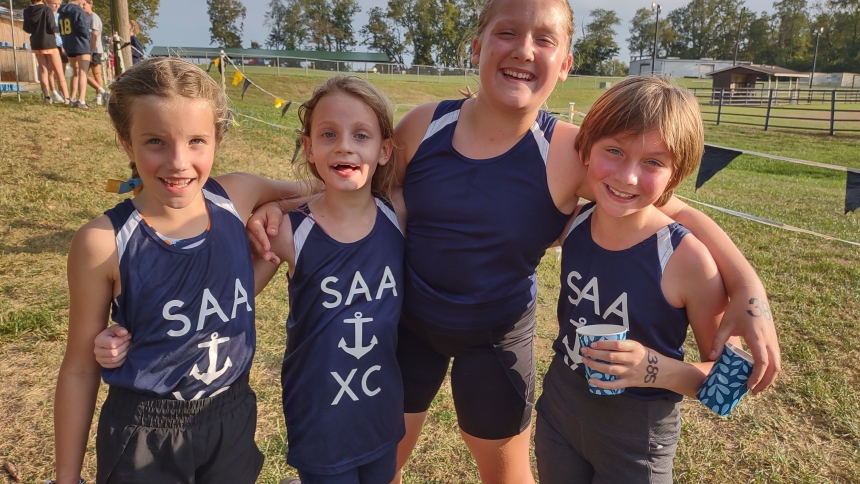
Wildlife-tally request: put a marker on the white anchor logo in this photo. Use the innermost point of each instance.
(358, 350)
(213, 373)
(573, 357)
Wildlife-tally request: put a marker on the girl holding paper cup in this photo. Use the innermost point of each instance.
(626, 263)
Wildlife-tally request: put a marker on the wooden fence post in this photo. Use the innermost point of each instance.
(720, 105)
(769, 104)
(832, 110)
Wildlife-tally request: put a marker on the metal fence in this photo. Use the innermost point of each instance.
(822, 110)
(310, 67)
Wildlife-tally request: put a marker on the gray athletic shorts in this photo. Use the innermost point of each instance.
(585, 438)
(143, 439)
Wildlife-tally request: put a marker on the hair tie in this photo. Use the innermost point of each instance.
(119, 186)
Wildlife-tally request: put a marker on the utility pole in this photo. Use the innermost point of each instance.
(818, 33)
(14, 50)
(738, 36)
(656, 8)
(120, 20)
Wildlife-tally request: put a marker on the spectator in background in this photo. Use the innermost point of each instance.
(76, 31)
(64, 59)
(39, 22)
(97, 50)
(136, 47)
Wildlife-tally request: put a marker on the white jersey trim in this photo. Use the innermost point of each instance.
(579, 219)
(388, 213)
(301, 235)
(543, 144)
(123, 235)
(664, 247)
(223, 203)
(440, 123)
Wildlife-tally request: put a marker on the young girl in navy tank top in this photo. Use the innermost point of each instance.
(342, 390)
(489, 183)
(626, 263)
(173, 266)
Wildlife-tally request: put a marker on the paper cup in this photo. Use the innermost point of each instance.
(726, 384)
(599, 332)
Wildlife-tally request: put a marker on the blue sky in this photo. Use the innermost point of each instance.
(185, 23)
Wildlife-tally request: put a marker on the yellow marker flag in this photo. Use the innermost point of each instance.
(216, 61)
(237, 78)
(279, 103)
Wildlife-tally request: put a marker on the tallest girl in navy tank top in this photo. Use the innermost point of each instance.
(477, 228)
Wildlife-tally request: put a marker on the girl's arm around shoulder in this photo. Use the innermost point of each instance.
(93, 272)
(563, 236)
(565, 171)
(748, 314)
(399, 205)
(409, 133)
(247, 191)
(283, 248)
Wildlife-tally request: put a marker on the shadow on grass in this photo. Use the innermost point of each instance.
(57, 241)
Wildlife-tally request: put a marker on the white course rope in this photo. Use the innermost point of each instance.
(765, 221)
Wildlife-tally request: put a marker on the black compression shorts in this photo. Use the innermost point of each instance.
(492, 377)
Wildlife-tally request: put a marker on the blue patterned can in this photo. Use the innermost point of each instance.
(726, 384)
(598, 332)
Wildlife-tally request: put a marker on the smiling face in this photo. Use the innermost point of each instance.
(345, 144)
(522, 51)
(629, 172)
(173, 154)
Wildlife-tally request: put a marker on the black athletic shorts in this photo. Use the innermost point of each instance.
(96, 59)
(492, 377)
(143, 439)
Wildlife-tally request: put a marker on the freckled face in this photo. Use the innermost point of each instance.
(172, 142)
(629, 173)
(522, 52)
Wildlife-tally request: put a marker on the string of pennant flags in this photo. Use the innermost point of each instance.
(717, 157)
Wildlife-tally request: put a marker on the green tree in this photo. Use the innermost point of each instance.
(641, 40)
(255, 45)
(757, 43)
(286, 24)
(342, 13)
(382, 34)
(792, 33)
(839, 46)
(419, 20)
(144, 11)
(317, 15)
(704, 28)
(454, 35)
(597, 43)
(227, 19)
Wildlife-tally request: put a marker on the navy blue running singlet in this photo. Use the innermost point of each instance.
(600, 286)
(477, 228)
(189, 308)
(343, 393)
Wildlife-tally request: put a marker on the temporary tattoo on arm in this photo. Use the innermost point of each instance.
(759, 309)
(652, 369)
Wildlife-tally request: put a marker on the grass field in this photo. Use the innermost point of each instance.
(54, 160)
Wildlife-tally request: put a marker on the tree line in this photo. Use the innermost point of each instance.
(433, 31)
(719, 29)
(440, 31)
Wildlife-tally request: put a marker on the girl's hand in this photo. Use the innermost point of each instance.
(633, 364)
(748, 315)
(111, 346)
(263, 224)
